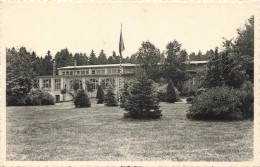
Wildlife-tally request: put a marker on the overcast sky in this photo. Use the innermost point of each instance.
(82, 27)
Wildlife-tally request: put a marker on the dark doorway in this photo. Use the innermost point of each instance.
(57, 98)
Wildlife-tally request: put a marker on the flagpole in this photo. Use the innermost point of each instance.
(120, 72)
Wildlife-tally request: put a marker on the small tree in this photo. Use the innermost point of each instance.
(100, 95)
(110, 98)
(171, 94)
(124, 95)
(81, 99)
(142, 102)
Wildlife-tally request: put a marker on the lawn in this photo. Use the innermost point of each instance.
(62, 132)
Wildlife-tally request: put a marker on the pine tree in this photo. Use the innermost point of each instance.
(124, 95)
(100, 95)
(170, 93)
(110, 97)
(142, 102)
(81, 99)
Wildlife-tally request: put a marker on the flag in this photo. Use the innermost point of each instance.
(121, 43)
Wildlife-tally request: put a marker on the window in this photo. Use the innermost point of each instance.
(107, 82)
(87, 72)
(100, 71)
(115, 70)
(93, 72)
(57, 83)
(46, 83)
(78, 72)
(94, 83)
(67, 73)
(75, 84)
(71, 72)
(63, 72)
(82, 72)
(109, 71)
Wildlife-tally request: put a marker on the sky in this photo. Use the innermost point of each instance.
(82, 27)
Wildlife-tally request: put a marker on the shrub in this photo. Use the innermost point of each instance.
(110, 97)
(124, 95)
(171, 94)
(142, 102)
(222, 103)
(39, 97)
(100, 95)
(162, 92)
(81, 99)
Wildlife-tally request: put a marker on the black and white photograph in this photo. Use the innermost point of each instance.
(128, 82)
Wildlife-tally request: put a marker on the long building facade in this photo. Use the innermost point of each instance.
(86, 76)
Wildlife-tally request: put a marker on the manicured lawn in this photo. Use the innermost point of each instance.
(62, 132)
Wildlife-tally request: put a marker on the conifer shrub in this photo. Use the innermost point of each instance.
(223, 103)
(171, 96)
(124, 95)
(142, 101)
(39, 97)
(81, 99)
(110, 97)
(100, 95)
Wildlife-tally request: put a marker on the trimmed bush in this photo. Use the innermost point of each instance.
(223, 103)
(100, 95)
(39, 97)
(162, 92)
(142, 102)
(110, 97)
(171, 94)
(81, 99)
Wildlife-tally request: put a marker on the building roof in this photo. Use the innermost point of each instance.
(97, 66)
(197, 62)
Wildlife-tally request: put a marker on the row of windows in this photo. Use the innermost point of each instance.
(78, 83)
(93, 72)
(47, 83)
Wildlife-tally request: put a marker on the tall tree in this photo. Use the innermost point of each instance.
(174, 67)
(244, 47)
(64, 58)
(92, 58)
(149, 58)
(102, 59)
(20, 76)
(47, 64)
(81, 58)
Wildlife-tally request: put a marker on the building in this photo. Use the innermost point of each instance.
(93, 75)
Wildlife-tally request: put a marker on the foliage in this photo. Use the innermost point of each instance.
(171, 96)
(142, 102)
(20, 76)
(81, 58)
(89, 87)
(161, 89)
(223, 103)
(148, 57)
(124, 95)
(224, 70)
(92, 58)
(64, 58)
(100, 95)
(110, 97)
(244, 48)
(102, 59)
(81, 99)
(174, 67)
(39, 97)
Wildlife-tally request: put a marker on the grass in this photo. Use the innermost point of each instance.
(62, 132)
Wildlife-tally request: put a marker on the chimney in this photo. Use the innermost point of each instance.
(54, 67)
(75, 62)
